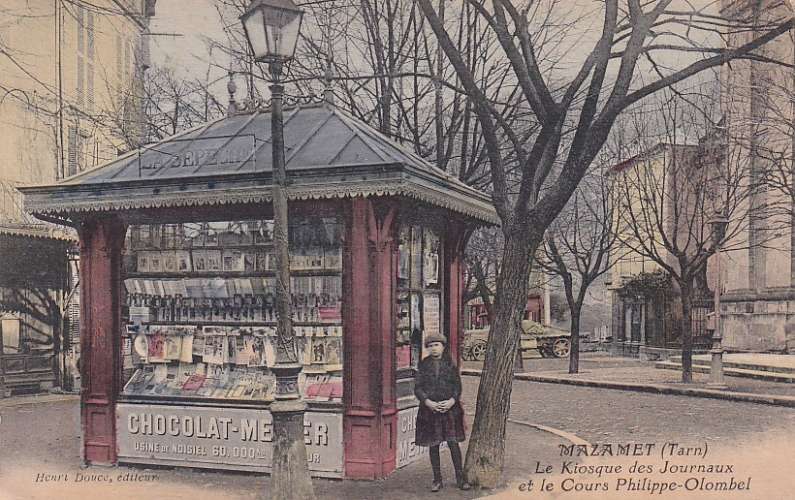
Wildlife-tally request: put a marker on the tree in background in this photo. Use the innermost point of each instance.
(577, 248)
(382, 64)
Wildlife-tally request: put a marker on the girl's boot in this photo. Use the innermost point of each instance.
(455, 454)
(436, 465)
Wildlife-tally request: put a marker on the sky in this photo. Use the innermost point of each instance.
(189, 56)
(186, 53)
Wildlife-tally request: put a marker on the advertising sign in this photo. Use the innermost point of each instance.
(407, 451)
(227, 438)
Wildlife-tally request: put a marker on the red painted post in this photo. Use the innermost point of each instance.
(453, 284)
(383, 247)
(101, 242)
(361, 437)
(370, 406)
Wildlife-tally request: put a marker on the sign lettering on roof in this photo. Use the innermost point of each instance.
(198, 153)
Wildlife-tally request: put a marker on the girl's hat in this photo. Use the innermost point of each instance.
(435, 337)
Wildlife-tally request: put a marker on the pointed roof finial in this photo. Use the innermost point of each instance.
(231, 87)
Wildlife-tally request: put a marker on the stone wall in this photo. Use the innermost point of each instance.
(758, 325)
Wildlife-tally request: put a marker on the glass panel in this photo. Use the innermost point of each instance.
(11, 330)
(419, 300)
(202, 310)
(255, 32)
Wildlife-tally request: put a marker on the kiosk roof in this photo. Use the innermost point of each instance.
(328, 154)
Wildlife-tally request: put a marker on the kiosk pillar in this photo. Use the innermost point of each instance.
(370, 411)
(101, 242)
(453, 284)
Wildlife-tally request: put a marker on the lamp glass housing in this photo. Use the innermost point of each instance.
(272, 28)
(719, 224)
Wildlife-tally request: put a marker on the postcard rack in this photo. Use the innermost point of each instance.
(201, 311)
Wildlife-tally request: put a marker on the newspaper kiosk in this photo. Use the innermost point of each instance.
(177, 284)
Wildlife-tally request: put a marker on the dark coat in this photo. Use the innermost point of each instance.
(438, 380)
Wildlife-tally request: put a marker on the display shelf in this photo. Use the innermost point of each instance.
(203, 324)
(231, 274)
(239, 323)
(233, 246)
(221, 403)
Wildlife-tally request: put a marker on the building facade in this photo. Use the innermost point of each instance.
(69, 77)
(758, 301)
(656, 202)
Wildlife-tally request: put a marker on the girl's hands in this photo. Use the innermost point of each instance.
(444, 406)
(440, 406)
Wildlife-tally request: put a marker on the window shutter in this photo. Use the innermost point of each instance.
(90, 85)
(81, 40)
(127, 57)
(81, 73)
(72, 153)
(90, 36)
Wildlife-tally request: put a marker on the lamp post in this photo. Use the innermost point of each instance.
(272, 28)
(718, 223)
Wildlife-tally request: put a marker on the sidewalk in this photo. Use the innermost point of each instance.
(33, 399)
(40, 435)
(613, 372)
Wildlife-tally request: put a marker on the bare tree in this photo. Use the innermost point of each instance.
(577, 248)
(575, 110)
(483, 266)
(684, 174)
(383, 64)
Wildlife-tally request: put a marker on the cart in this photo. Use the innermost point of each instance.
(551, 342)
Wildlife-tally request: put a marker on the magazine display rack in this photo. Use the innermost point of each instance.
(419, 294)
(202, 320)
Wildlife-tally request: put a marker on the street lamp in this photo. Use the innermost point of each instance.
(272, 28)
(718, 223)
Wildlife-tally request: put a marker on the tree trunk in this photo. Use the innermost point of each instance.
(574, 354)
(687, 332)
(486, 449)
(518, 364)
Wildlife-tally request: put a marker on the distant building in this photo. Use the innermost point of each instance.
(645, 303)
(758, 302)
(69, 76)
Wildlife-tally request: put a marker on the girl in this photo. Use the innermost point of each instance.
(440, 417)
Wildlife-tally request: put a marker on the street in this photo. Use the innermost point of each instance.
(600, 415)
(595, 415)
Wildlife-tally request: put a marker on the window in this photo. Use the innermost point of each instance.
(90, 62)
(419, 299)
(11, 325)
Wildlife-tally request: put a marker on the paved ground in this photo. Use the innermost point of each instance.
(600, 366)
(599, 415)
(41, 436)
(756, 440)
